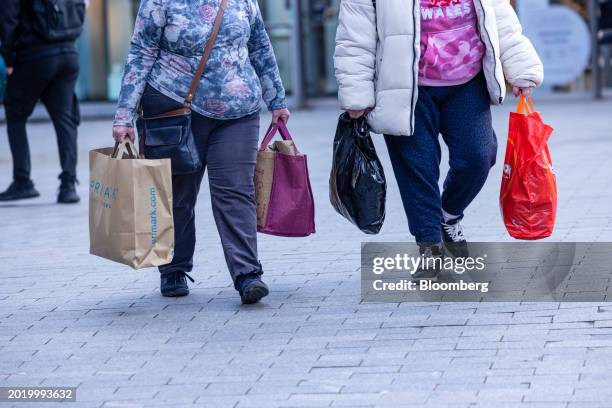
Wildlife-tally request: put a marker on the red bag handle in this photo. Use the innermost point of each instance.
(525, 106)
(278, 127)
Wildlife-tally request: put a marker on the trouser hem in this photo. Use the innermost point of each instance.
(257, 271)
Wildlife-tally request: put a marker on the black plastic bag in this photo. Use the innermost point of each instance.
(357, 185)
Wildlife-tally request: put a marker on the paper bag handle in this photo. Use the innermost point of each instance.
(120, 147)
(278, 127)
(525, 105)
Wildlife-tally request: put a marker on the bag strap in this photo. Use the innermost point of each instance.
(278, 127)
(195, 82)
(525, 105)
(120, 147)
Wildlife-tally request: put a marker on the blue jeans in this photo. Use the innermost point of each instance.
(228, 149)
(462, 115)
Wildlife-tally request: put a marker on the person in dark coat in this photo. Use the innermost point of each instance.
(42, 65)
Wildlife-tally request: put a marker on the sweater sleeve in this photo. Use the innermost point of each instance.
(9, 21)
(142, 54)
(261, 55)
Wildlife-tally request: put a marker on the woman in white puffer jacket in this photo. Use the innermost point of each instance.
(421, 68)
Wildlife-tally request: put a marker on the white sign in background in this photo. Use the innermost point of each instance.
(561, 37)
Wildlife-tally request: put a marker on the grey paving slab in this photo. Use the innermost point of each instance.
(69, 319)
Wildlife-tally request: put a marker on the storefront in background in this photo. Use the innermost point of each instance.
(303, 36)
(302, 33)
(103, 47)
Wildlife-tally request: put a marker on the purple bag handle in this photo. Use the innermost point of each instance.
(278, 127)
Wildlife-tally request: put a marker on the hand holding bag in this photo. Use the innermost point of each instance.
(528, 197)
(285, 205)
(169, 135)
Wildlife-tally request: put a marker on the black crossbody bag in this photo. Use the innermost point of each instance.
(169, 135)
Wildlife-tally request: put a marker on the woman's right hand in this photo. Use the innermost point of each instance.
(121, 133)
(356, 114)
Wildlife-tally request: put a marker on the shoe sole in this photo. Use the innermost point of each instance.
(176, 294)
(254, 294)
(27, 197)
(69, 201)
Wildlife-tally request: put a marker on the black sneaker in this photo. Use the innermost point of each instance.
(433, 256)
(251, 288)
(67, 193)
(454, 240)
(174, 284)
(19, 190)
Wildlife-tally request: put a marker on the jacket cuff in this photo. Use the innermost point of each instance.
(277, 104)
(526, 82)
(124, 117)
(356, 95)
(120, 123)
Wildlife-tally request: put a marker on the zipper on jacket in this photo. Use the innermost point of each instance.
(484, 25)
(377, 58)
(416, 51)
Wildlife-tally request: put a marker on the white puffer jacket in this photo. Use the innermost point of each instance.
(377, 58)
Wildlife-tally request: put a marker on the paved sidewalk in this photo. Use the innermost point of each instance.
(70, 319)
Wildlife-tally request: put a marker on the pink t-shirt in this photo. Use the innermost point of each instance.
(451, 48)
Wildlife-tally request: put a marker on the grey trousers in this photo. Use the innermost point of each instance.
(228, 149)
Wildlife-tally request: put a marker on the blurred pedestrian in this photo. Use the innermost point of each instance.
(427, 68)
(168, 43)
(2, 77)
(42, 62)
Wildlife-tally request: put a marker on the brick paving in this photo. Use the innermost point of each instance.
(70, 319)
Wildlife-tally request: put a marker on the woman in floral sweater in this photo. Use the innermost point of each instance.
(168, 42)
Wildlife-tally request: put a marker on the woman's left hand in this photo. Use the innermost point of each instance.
(522, 91)
(280, 114)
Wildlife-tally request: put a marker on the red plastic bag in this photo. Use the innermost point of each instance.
(528, 197)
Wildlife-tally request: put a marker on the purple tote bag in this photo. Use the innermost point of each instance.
(285, 202)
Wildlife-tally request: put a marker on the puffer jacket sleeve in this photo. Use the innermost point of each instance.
(355, 54)
(520, 61)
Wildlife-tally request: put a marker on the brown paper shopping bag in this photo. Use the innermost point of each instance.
(130, 208)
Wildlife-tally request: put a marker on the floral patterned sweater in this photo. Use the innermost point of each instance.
(168, 42)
